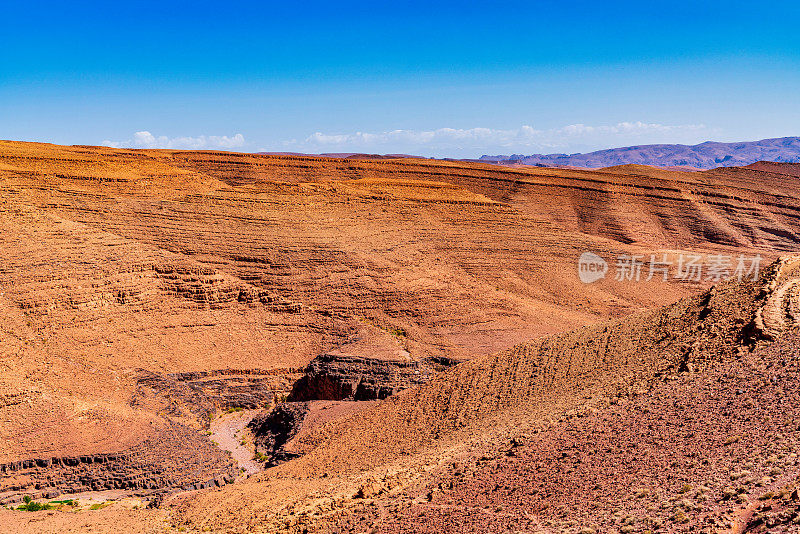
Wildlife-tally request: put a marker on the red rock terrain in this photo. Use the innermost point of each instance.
(143, 292)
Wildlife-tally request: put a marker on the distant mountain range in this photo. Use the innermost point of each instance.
(703, 156)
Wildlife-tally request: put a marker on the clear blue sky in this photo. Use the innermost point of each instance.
(447, 79)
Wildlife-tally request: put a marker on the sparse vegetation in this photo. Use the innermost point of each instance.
(29, 505)
(66, 502)
(680, 517)
(398, 332)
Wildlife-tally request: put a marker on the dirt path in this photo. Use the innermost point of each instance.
(227, 431)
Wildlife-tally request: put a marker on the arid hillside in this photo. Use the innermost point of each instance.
(679, 419)
(144, 293)
(684, 418)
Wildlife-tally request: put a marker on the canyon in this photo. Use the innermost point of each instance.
(406, 332)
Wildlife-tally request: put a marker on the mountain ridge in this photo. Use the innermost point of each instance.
(706, 155)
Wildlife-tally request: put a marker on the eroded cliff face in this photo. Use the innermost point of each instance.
(370, 366)
(343, 377)
(171, 457)
(195, 397)
(142, 289)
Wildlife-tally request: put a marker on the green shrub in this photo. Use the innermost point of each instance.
(399, 332)
(29, 505)
(68, 502)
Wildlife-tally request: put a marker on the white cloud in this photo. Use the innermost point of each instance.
(637, 128)
(476, 141)
(145, 139)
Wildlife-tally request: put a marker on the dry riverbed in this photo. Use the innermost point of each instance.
(229, 432)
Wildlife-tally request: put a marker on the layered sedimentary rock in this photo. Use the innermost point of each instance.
(128, 278)
(347, 377)
(521, 438)
(199, 395)
(175, 457)
(371, 365)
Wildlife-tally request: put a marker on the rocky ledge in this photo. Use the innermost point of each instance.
(176, 458)
(333, 376)
(196, 396)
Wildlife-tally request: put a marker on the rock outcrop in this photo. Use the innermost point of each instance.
(273, 429)
(348, 377)
(781, 310)
(198, 395)
(179, 458)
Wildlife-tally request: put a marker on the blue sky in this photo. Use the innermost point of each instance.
(454, 79)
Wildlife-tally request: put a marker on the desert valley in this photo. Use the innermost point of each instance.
(198, 341)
